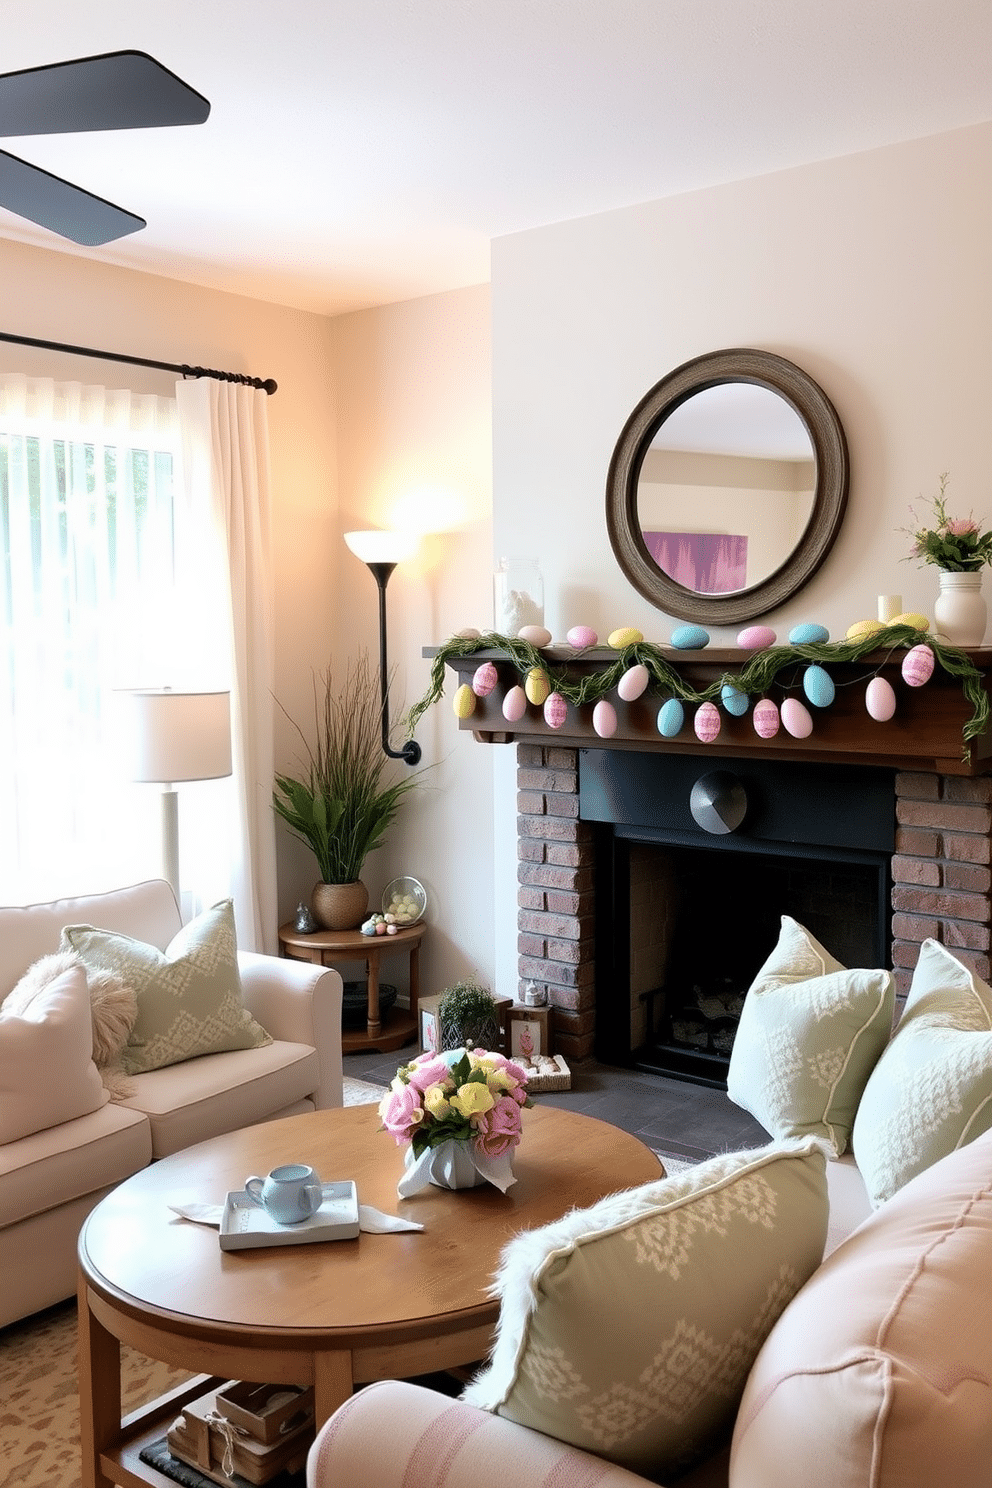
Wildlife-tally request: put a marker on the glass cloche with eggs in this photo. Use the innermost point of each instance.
(405, 899)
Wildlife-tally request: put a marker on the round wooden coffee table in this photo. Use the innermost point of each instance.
(331, 1314)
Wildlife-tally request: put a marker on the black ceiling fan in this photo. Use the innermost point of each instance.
(115, 90)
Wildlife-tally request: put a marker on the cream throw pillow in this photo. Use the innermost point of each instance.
(809, 1036)
(629, 1328)
(189, 996)
(47, 1074)
(879, 1373)
(932, 1089)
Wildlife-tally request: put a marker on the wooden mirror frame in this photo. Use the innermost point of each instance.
(811, 404)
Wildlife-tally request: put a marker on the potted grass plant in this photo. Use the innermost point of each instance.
(342, 803)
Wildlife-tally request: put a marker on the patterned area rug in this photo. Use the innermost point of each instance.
(39, 1413)
(39, 1405)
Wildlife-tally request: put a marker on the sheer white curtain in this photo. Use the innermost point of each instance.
(225, 452)
(88, 600)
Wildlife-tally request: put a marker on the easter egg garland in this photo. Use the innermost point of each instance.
(759, 673)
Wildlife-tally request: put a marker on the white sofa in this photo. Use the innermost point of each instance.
(52, 1178)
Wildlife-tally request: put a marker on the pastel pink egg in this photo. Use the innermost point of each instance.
(707, 722)
(485, 679)
(880, 699)
(555, 710)
(917, 666)
(604, 719)
(796, 719)
(633, 683)
(756, 636)
(765, 718)
(514, 705)
(581, 635)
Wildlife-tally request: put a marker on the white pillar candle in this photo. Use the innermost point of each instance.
(889, 606)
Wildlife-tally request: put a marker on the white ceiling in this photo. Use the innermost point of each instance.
(365, 151)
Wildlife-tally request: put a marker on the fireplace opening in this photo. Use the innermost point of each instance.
(686, 916)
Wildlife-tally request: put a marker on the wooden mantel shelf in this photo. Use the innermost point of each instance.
(926, 732)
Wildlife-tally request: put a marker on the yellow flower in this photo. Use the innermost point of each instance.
(435, 1101)
(472, 1099)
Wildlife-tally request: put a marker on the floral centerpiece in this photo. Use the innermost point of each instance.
(458, 1116)
(954, 544)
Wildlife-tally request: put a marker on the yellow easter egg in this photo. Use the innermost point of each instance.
(463, 701)
(862, 628)
(625, 636)
(918, 622)
(537, 686)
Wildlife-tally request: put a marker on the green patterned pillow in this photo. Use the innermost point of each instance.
(931, 1091)
(629, 1328)
(809, 1036)
(189, 996)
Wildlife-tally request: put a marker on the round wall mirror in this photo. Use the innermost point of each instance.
(727, 487)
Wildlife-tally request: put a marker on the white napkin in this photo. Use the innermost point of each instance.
(495, 1170)
(372, 1221)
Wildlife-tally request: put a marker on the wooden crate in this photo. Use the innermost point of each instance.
(197, 1439)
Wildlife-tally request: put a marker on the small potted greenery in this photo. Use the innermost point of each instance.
(467, 1016)
(340, 805)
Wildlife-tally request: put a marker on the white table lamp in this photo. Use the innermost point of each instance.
(171, 737)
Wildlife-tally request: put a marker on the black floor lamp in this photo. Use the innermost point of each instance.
(381, 551)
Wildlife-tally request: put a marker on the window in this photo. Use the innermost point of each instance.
(91, 601)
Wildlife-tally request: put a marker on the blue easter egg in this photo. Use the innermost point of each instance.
(818, 686)
(735, 701)
(690, 638)
(671, 717)
(808, 635)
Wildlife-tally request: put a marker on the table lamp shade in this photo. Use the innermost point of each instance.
(173, 736)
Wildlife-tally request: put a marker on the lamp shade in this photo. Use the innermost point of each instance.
(172, 736)
(382, 547)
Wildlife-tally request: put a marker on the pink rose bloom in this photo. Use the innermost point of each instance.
(433, 1071)
(499, 1129)
(962, 526)
(401, 1111)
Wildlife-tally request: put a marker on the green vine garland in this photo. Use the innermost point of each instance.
(754, 679)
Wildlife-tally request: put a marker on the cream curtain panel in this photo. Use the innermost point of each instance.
(225, 457)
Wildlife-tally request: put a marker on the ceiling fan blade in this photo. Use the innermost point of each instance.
(115, 90)
(68, 210)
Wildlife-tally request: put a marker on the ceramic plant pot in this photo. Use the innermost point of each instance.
(339, 906)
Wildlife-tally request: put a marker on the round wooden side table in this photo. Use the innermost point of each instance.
(326, 947)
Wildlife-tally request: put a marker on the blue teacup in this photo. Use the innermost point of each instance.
(290, 1193)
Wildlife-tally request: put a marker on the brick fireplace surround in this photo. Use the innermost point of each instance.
(942, 865)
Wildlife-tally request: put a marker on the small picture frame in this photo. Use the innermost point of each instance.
(430, 1031)
(528, 1032)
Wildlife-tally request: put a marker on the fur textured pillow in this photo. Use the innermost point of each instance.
(113, 1009)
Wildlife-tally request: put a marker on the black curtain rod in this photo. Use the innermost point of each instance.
(269, 385)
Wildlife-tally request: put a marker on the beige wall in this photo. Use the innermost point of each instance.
(870, 271)
(414, 430)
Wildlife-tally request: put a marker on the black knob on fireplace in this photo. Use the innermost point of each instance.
(718, 802)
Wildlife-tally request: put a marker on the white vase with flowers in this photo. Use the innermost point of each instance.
(457, 1114)
(959, 549)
